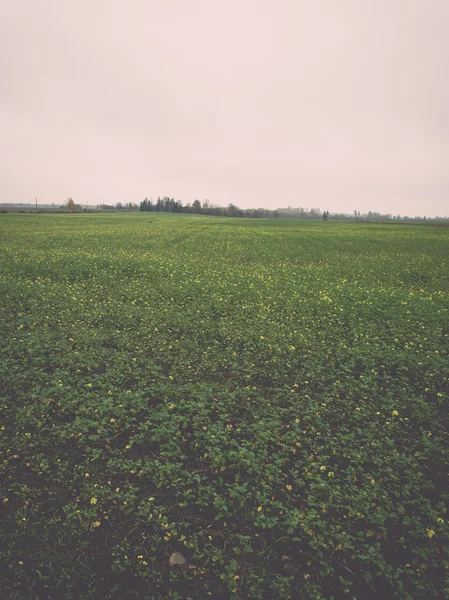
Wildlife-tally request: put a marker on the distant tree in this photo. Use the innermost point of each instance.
(233, 210)
(71, 205)
(325, 215)
(197, 206)
(168, 204)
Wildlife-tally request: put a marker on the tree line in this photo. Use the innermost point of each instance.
(167, 204)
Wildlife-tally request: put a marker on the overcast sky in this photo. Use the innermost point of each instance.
(337, 104)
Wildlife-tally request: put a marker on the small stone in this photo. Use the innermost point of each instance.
(177, 560)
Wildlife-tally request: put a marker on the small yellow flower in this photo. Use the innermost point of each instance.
(89, 385)
(97, 523)
(430, 532)
(259, 509)
(112, 420)
(395, 413)
(289, 487)
(93, 500)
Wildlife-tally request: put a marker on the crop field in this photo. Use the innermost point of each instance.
(268, 398)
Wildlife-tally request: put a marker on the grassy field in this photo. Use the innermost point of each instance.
(267, 397)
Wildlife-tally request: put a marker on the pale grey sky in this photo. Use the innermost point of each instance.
(339, 104)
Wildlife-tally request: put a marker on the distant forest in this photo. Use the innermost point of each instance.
(170, 205)
(167, 204)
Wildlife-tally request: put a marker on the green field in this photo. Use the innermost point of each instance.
(267, 397)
